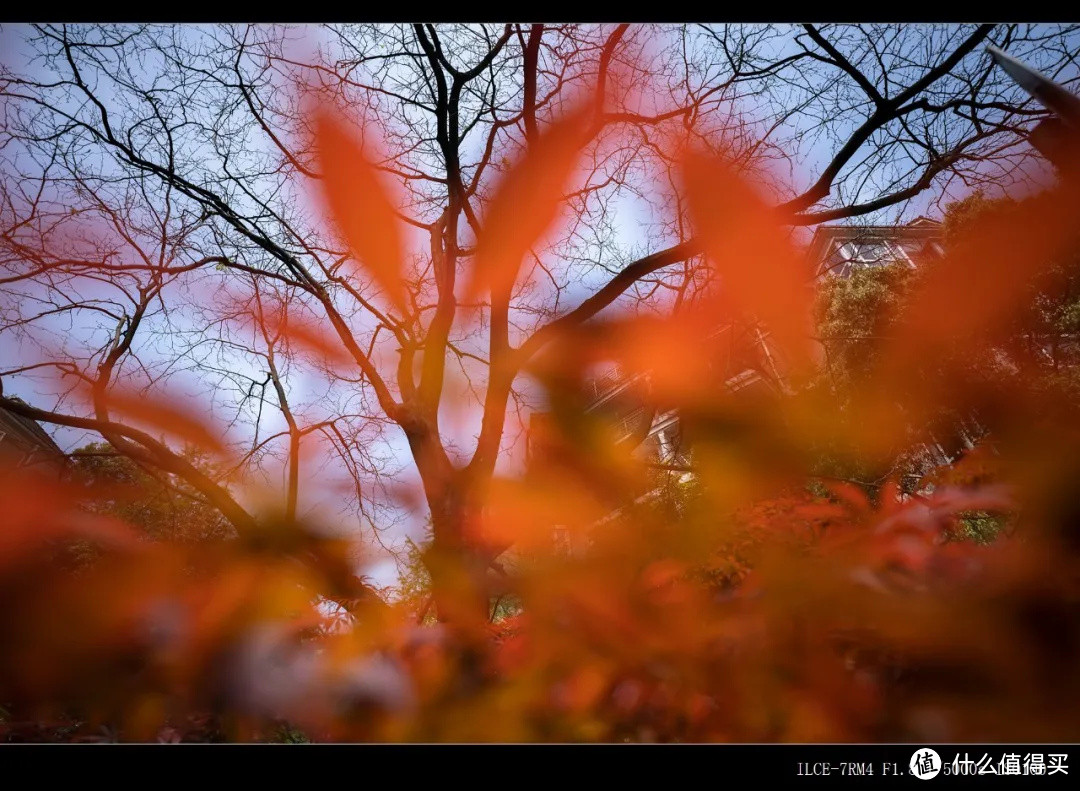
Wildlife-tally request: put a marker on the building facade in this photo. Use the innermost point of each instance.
(24, 443)
(839, 250)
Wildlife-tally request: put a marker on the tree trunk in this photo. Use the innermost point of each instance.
(456, 563)
(458, 567)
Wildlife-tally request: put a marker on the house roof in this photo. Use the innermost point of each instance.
(26, 437)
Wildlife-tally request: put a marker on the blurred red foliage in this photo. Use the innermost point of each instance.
(743, 605)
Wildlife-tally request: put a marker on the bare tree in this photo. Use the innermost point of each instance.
(155, 183)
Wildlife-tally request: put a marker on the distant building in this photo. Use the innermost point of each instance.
(24, 443)
(751, 365)
(842, 249)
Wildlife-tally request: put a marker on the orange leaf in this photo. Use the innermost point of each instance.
(851, 495)
(980, 284)
(359, 203)
(165, 414)
(525, 203)
(747, 247)
(309, 336)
